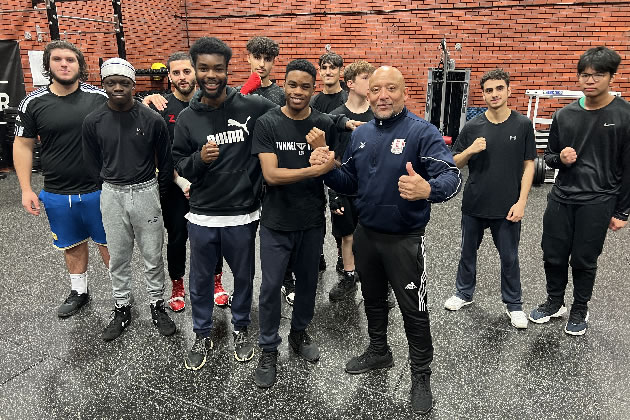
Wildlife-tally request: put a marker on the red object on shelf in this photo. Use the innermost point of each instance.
(448, 139)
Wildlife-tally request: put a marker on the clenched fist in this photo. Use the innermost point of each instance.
(209, 152)
(479, 145)
(568, 156)
(316, 138)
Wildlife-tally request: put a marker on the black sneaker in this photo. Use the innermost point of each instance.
(73, 303)
(547, 310)
(243, 350)
(196, 357)
(265, 374)
(322, 263)
(370, 360)
(421, 395)
(301, 343)
(121, 318)
(339, 266)
(578, 320)
(347, 285)
(288, 290)
(161, 320)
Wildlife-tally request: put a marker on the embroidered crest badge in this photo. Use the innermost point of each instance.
(397, 146)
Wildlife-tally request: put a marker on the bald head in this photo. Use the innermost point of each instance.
(387, 92)
(389, 73)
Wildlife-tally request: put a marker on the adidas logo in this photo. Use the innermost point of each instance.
(411, 286)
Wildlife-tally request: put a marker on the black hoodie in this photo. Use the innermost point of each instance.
(232, 184)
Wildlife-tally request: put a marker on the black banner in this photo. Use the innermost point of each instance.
(11, 77)
(12, 91)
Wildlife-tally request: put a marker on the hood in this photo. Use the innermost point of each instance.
(197, 105)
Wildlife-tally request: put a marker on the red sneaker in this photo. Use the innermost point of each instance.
(176, 302)
(221, 297)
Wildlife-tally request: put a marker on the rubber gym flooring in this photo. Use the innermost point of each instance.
(483, 369)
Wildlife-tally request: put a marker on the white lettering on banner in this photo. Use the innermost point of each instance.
(4, 101)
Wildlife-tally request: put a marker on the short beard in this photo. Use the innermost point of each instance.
(190, 88)
(64, 82)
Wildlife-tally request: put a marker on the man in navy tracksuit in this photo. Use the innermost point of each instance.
(397, 165)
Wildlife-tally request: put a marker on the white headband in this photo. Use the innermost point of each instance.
(118, 67)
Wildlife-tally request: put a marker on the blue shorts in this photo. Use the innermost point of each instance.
(74, 218)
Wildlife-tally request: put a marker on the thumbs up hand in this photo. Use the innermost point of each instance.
(412, 186)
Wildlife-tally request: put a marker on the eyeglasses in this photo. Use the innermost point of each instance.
(596, 76)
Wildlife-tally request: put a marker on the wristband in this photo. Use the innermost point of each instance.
(182, 183)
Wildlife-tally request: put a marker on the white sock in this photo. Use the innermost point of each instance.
(79, 282)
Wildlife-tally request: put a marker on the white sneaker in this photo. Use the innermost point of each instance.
(517, 318)
(455, 303)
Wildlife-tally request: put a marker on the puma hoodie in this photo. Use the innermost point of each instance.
(232, 184)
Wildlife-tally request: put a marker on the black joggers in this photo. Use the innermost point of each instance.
(399, 260)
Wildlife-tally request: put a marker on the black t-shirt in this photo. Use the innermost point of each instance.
(125, 146)
(325, 103)
(494, 179)
(170, 113)
(344, 137)
(301, 205)
(273, 92)
(57, 120)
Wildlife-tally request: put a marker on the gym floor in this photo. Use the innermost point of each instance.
(483, 369)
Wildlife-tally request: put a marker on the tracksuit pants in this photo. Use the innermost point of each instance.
(506, 236)
(397, 259)
(277, 248)
(132, 212)
(237, 244)
(574, 234)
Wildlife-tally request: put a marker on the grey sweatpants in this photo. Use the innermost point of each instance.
(133, 212)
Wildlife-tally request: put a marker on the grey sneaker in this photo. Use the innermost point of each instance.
(73, 303)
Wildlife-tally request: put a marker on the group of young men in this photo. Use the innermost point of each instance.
(229, 160)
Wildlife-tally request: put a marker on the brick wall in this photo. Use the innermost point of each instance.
(537, 41)
(151, 32)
